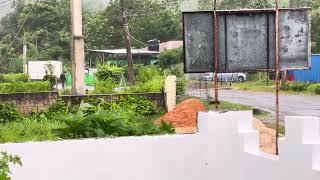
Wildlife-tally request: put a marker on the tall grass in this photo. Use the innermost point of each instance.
(30, 129)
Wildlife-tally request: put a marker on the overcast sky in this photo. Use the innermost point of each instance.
(93, 4)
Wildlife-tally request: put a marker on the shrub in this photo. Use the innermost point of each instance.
(107, 72)
(147, 73)
(104, 123)
(140, 106)
(8, 113)
(105, 87)
(136, 68)
(155, 84)
(5, 160)
(24, 87)
(66, 92)
(168, 58)
(181, 79)
(295, 86)
(314, 88)
(10, 78)
(30, 129)
(181, 85)
(52, 79)
(57, 108)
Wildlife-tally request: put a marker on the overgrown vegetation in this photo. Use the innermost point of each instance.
(5, 161)
(11, 78)
(24, 87)
(302, 87)
(8, 113)
(258, 82)
(132, 116)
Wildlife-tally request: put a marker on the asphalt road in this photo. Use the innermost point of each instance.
(290, 105)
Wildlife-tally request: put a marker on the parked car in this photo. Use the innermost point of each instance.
(224, 77)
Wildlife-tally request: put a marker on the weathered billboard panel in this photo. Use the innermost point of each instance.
(246, 40)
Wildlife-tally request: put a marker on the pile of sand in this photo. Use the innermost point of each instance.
(184, 119)
(184, 116)
(267, 137)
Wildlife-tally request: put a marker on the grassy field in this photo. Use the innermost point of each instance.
(259, 83)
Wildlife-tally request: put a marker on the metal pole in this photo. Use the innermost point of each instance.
(216, 83)
(277, 75)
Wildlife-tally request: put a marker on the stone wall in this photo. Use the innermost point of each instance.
(30, 102)
(27, 103)
(157, 98)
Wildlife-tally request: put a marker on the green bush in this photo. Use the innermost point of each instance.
(9, 113)
(136, 68)
(140, 106)
(155, 84)
(147, 73)
(106, 86)
(52, 79)
(181, 79)
(11, 78)
(169, 58)
(30, 129)
(66, 92)
(57, 108)
(5, 160)
(181, 86)
(24, 87)
(295, 86)
(107, 72)
(105, 123)
(314, 88)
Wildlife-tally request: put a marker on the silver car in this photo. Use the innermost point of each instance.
(225, 77)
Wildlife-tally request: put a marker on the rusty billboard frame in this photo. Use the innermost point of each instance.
(287, 63)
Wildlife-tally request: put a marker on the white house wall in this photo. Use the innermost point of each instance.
(226, 148)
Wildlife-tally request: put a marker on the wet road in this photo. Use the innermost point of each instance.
(290, 105)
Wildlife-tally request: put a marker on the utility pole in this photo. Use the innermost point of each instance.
(124, 7)
(24, 56)
(77, 49)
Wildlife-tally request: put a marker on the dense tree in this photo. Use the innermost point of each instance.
(47, 32)
(148, 19)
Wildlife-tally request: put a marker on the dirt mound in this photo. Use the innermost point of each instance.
(184, 116)
(184, 119)
(267, 137)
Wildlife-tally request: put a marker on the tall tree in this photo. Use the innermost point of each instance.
(148, 19)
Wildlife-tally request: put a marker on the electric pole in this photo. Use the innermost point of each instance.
(77, 49)
(124, 7)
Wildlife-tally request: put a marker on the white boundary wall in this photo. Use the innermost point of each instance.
(226, 148)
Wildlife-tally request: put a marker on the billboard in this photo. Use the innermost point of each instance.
(246, 40)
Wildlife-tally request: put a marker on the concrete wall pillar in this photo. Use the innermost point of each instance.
(170, 88)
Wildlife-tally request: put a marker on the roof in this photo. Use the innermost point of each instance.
(124, 51)
(168, 45)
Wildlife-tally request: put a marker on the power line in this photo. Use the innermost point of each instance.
(138, 40)
(16, 36)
